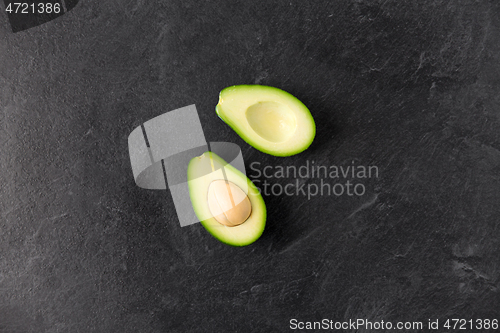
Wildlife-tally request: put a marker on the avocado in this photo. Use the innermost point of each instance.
(267, 118)
(225, 201)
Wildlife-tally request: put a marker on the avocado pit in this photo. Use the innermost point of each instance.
(228, 203)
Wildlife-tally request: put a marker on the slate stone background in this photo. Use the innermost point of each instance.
(409, 86)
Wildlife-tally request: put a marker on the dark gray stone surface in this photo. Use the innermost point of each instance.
(409, 86)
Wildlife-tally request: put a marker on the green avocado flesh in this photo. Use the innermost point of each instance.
(269, 119)
(202, 171)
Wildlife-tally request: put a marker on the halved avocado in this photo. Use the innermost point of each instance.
(267, 118)
(204, 173)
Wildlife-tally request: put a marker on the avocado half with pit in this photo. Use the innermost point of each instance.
(225, 201)
(269, 119)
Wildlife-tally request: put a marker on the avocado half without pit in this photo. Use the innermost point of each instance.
(269, 119)
(225, 201)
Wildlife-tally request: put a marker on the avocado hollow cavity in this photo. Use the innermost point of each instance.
(271, 120)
